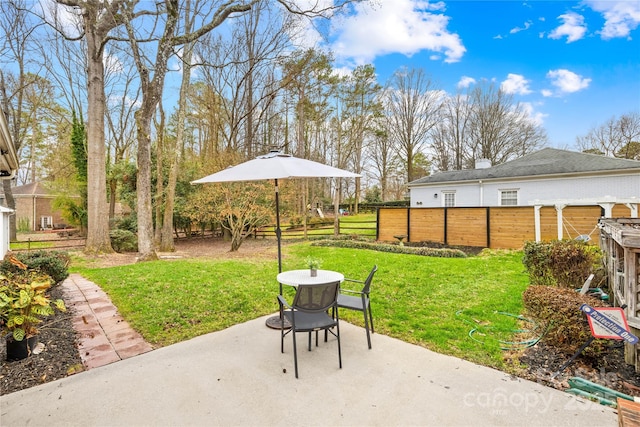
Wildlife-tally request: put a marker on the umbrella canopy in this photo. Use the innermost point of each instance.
(276, 165)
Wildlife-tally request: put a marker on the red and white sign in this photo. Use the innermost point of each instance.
(608, 323)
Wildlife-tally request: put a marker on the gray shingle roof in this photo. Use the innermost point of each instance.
(548, 161)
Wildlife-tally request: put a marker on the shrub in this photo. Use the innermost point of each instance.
(383, 247)
(559, 309)
(123, 241)
(52, 263)
(563, 263)
(127, 222)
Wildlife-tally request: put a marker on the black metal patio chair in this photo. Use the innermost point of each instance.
(359, 300)
(309, 312)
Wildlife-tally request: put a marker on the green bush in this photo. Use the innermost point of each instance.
(383, 247)
(52, 263)
(563, 263)
(559, 309)
(123, 241)
(126, 222)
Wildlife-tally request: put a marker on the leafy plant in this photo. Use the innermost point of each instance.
(312, 263)
(23, 303)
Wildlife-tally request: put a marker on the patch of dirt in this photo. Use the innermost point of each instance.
(60, 357)
(608, 369)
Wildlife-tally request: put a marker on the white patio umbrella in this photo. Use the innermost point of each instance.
(276, 165)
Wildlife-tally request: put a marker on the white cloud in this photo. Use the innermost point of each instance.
(518, 29)
(573, 27)
(395, 26)
(515, 83)
(566, 81)
(534, 116)
(112, 64)
(65, 18)
(465, 82)
(621, 16)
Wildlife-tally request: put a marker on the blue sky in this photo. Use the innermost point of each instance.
(573, 65)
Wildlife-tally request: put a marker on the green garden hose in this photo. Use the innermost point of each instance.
(510, 345)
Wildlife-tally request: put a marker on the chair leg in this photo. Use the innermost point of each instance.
(339, 348)
(295, 353)
(366, 327)
(370, 317)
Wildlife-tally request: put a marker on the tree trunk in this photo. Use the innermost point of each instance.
(166, 235)
(146, 250)
(98, 240)
(160, 146)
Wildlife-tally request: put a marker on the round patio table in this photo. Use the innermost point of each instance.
(302, 277)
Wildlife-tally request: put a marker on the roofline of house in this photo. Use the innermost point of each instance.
(7, 149)
(633, 171)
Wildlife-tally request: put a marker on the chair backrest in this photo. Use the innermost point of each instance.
(316, 298)
(367, 282)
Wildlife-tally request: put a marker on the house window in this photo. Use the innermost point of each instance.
(46, 222)
(449, 199)
(508, 197)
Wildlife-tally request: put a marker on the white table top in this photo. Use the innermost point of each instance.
(303, 277)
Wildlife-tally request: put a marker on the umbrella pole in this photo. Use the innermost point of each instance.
(278, 231)
(275, 322)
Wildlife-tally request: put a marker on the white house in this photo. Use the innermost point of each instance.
(8, 168)
(545, 178)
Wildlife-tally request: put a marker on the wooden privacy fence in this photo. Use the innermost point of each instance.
(500, 227)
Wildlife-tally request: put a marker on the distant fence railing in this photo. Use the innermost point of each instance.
(345, 226)
(48, 244)
(503, 227)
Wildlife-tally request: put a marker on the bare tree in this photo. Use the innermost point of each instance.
(383, 160)
(614, 138)
(19, 37)
(449, 137)
(361, 108)
(98, 20)
(499, 130)
(412, 105)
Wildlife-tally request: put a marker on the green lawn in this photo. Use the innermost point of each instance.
(432, 302)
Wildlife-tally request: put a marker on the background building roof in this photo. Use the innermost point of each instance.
(548, 161)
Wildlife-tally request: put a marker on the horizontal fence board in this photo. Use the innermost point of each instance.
(395, 220)
(509, 227)
(467, 227)
(581, 220)
(427, 225)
